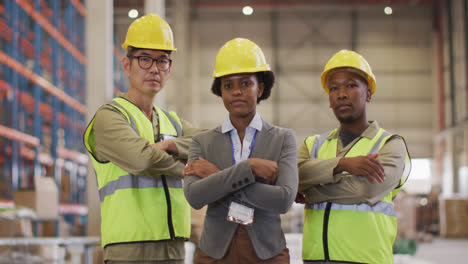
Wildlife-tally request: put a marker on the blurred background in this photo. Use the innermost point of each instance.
(60, 60)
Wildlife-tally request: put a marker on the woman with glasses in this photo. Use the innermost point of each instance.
(244, 170)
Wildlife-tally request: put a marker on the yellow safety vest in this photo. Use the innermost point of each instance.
(140, 207)
(352, 233)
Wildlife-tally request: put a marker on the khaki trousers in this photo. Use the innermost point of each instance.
(241, 251)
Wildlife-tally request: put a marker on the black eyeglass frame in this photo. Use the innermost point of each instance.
(153, 60)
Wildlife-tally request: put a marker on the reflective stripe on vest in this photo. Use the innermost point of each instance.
(136, 182)
(380, 207)
(357, 233)
(174, 123)
(318, 142)
(127, 114)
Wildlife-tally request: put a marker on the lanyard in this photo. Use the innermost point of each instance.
(232, 146)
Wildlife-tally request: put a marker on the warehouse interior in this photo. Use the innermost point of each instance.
(60, 61)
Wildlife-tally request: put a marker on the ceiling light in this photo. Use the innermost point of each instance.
(133, 13)
(388, 10)
(247, 10)
(423, 201)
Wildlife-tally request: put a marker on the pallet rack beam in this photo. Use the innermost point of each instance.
(16, 135)
(47, 86)
(72, 155)
(79, 7)
(77, 209)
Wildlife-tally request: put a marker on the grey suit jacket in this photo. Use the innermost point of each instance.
(237, 182)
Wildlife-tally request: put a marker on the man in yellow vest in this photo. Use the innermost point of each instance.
(349, 176)
(145, 217)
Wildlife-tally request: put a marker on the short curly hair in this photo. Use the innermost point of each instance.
(266, 77)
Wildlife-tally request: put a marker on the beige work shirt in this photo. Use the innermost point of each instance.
(317, 181)
(116, 141)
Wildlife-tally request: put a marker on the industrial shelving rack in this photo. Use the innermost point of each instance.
(43, 98)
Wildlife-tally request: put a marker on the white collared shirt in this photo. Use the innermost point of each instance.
(242, 151)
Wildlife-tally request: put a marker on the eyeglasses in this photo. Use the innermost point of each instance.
(146, 62)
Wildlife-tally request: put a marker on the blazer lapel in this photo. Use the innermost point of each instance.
(262, 139)
(222, 149)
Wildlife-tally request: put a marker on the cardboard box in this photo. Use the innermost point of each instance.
(47, 228)
(453, 216)
(43, 199)
(98, 255)
(405, 209)
(5, 190)
(16, 228)
(65, 191)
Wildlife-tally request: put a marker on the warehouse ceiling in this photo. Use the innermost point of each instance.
(118, 4)
(208, 3)
(121, 7)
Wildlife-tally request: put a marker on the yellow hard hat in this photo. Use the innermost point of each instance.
(239, 55)
(150, 32)
(352, 60)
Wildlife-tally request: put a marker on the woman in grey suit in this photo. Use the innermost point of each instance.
(244, 170)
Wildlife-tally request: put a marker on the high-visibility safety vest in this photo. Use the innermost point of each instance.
(352, 233)
(140, 207)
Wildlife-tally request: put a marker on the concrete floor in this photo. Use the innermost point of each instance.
(440, 251)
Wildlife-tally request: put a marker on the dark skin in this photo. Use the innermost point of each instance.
(348, 96)
(239, 93)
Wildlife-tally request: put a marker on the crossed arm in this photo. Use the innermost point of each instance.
(362, 179)
(179, 147)
(116, 141)
(205, 183)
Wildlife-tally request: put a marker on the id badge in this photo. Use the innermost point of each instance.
(240, 214)
(166, 137)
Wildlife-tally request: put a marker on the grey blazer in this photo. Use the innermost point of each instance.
(237, 182)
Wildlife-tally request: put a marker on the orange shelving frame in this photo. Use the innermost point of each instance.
(16, 135)
(47, 86)
(81, 9)
(5, 30)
